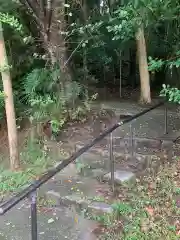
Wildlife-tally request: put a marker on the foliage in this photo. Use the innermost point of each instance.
(120, 25)
(49, 102)
(34, 161)
(93, 40)
(11, 21)
(122, 208)
(173, 94)
(157, 64)
(147, 209)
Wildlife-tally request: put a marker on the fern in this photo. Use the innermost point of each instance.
(39, 80)
(48, 102)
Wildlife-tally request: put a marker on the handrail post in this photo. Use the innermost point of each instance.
(132, 140)
(111, 156)
(165, 120)
(33, 199)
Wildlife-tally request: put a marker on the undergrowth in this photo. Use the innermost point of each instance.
(45, 101)
(146, 210)
(34, 161)
(50, 99)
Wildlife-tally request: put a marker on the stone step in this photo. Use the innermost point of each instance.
(96, 205)
(96, 165)
(102, 154)
(120, 176)
(140, 142)
(94, 160)
(53, 223)
(140, 145)
(171, 136)
(98, 162)
(84, 193)
(80, 191)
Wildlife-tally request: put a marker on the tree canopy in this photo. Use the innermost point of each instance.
(50, 43)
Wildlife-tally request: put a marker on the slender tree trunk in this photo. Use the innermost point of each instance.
(9, 105)
(143, 67)
(85, 10)
(85, 17)
(57, 42)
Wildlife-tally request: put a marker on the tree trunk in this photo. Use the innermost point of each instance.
(50, 18)
(85, 10)
(143, 67)
(57, 39)
(9, 105)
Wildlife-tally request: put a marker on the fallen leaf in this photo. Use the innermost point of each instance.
(76, 219)
(150, 211)
(51, 220)
(45, 210)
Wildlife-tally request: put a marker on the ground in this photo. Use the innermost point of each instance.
(146, 199)
(149, 208)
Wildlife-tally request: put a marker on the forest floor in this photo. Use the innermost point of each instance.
(147, 210)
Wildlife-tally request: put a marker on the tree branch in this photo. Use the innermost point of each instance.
(49, 11)
(173, 58)
(34, 8)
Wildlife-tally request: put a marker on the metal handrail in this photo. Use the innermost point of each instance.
(49, 174)
(30, 191)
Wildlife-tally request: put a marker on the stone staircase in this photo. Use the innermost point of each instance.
(85, 185)
(135, 160)
(71, 197)
(83, 189)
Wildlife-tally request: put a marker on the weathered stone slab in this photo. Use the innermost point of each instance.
(98, 173)
(120, 176)
(167, 145)
(148, 143)
(140, 143)
(100, 207)
(75, 198)
(171, 136)
(93, 160)
(53, 198)
(56, 199)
